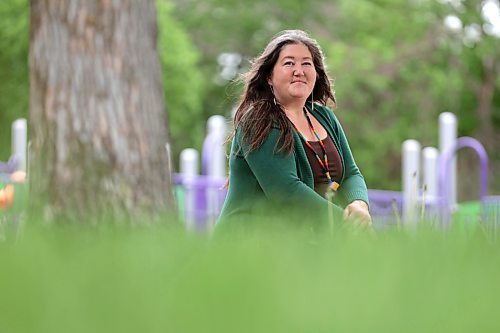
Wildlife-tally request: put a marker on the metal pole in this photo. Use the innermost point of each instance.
(411, 183)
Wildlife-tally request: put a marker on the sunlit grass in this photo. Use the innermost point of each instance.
(160, 279)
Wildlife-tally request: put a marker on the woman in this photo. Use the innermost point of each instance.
(289, 152)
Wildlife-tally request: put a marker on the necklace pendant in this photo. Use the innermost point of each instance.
(334, 186)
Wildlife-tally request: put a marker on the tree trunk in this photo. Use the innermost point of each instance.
(97, 120)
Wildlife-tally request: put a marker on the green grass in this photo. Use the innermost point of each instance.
(160, 279)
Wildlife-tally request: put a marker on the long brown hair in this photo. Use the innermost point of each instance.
(257, 111)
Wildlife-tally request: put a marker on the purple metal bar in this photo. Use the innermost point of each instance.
(384, 205)
(444, 167)
(10, 166)
(199, 184)
(381, 201)
(445, 161)
(385, 196)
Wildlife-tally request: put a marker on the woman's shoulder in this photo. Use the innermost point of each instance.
(274, 129)
(241, 139)
(326, 112)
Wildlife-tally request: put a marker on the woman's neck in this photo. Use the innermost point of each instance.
(295, 110)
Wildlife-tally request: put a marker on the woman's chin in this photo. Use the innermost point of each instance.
(301, 96)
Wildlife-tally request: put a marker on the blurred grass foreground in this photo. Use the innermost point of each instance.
(162, 279)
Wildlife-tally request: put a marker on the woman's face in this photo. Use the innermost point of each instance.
(293, 76)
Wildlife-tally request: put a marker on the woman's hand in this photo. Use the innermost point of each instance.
(357, 212)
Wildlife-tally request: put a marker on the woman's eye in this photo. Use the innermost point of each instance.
(288, 63)
(308, 64)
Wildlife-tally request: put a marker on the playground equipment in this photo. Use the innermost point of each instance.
(428, 181)
(411, 177)
(446, 170)
(214, 163)
(18, 158)
(12, 177)
(7, 168)
(6, 196)
(201, 197)
(20, 142)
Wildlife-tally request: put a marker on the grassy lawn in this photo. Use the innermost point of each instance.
(160, 279)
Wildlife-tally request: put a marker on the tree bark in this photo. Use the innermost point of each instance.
(98, 124)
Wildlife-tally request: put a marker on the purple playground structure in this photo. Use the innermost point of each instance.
(428, 182)
(18, 159)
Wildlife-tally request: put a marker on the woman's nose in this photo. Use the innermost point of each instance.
(298, 71)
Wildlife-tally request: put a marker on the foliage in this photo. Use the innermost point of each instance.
(184, 84)
(14, 83)
(395, 67)
(162, 280)
(395, 64)
(391, 86)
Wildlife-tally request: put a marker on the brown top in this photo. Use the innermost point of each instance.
(334, 164)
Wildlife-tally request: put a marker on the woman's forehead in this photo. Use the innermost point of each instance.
(295, 51)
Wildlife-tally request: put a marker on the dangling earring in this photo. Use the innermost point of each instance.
(312, 100)
(274, 97)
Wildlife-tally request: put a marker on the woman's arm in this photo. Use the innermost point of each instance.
(353, 189)
(276, 173)
(354, 186)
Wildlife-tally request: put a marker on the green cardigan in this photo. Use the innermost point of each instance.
(265, 182)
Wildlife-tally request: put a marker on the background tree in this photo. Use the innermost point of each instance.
(97, 119)
(396, 66)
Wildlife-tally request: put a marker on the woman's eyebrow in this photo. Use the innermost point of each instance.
(293, 58)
